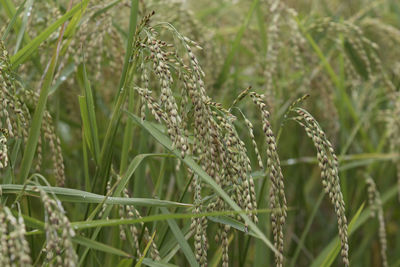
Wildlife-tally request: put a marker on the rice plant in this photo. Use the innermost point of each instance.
(199, 133)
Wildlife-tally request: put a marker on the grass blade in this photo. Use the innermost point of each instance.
(32, 222)
(223, 75)
(86, 125)
(88, 114)
(123, 87)
(125, 263)
(16, 24)
(139, 263)
(128, 135)
(129, 42)
(218, 254)
(34, 131)
(78, 196)
(168, 216)
(121, 185)
(99, 246)
(14, 19)
(31, 47)
(21, 32)
(152, 263)
(180, 237)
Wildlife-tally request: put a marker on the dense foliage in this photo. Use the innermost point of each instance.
(199, 133)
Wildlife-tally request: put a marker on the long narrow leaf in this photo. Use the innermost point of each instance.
(24, 23)
(121, 185)
(14, 19)
(78, 196)
(146, 249)
(180, 237)
(99, 246)
(31, 47)
(235, 46)
(152, 263)
(169, 216)
(32, 222)
(90, 120)
(128, 72)
(34, 131)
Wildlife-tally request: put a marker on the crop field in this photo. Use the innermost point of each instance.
(200, 133)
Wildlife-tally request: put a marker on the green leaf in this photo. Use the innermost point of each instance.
(21, 32)
(35, 223)
(171, 247)
(139, 263)
(218, 253)
(13, 14)
(223, 75)
(105, 8)
(124, 181)
(31, 47)
(14, 17)
(65, 73)
(131, 36)
(168, 216)
(78, 196)
(127, 75)
(89, 114)
(128, 135)
(70, 30)
(16, 24)
(125, 263)
(152, 263)
(86, 125)
(180, 237)
(99, 246)
(36, 124)
(117, 192)
(234, 223)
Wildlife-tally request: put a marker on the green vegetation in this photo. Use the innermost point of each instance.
(199, 133)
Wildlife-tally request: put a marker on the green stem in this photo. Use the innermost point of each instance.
(125, 81)
(128, 136)
(34, 131)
